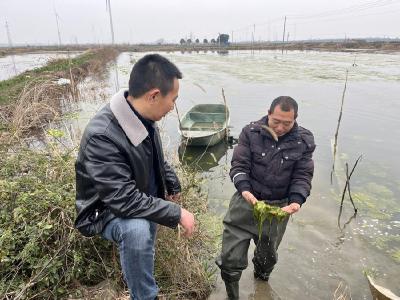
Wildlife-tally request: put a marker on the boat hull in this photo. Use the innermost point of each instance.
(204, 141)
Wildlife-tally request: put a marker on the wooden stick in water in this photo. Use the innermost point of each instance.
(337, 128)
(226, 116)
(179, 119)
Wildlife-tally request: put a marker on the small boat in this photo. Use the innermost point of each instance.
(204, 125)
(379, 292)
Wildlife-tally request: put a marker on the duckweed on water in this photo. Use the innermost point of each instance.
(263, 211)
(396, 255)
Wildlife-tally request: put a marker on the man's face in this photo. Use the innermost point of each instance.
(164, 104)
(281, 121)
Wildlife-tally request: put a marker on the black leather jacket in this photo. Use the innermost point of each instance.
(112, 172)
(274, 170)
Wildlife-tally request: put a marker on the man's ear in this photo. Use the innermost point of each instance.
(154, 94)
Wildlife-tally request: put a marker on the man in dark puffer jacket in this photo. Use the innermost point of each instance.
(273, 163)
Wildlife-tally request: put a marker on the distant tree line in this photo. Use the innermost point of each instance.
(222, 39)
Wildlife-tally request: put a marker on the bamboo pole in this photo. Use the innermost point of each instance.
(338, 126)
(179, 119)
(226, 116)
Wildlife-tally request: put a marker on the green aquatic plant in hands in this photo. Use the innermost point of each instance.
(263, 211)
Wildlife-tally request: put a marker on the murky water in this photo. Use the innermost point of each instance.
(315, 256)
(13, 65)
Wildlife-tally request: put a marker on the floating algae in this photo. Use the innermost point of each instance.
(263, 211)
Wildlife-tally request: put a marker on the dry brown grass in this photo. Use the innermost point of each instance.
(40, 101)
(342, 292)
(184, 269)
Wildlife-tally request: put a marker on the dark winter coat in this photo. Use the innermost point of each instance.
(274, 170)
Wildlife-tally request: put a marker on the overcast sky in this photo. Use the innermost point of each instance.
(82, 21)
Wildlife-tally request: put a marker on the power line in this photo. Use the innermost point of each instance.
(349, 9)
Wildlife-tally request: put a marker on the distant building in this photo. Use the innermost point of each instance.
(223, 39)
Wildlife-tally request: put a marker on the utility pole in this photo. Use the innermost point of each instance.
(252, 38)
(10, 44)
(58, 28)
(269, 30)
(232, 36)
(287, 40)
(283, 38)
(108, 5)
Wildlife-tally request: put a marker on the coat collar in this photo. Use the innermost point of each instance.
(129, 122)
(293, 134)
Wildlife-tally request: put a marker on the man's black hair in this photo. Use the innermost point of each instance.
(286, 103)
(152, 71)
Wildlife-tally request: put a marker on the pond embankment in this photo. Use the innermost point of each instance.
(42, 256)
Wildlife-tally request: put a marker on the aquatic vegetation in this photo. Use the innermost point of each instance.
(396, 255)
(263, 211)
(377, 201)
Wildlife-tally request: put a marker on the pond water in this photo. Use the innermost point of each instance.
(13, 65)
(315, 256)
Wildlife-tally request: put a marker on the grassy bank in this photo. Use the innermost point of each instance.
(74, 69)
(34, 98)
(42, 256)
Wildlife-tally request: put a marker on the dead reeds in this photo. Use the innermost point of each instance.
(41, 96)
(342, 292)
(181, 263)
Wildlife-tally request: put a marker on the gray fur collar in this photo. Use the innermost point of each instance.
(130, 123)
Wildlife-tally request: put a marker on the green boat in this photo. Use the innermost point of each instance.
(204, 125)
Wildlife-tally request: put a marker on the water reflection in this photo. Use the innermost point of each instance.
(263, 291)
(202, 158)
(223, 52)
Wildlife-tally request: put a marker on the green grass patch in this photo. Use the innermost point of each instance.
(42, 256)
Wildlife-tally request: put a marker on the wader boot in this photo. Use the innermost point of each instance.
(232, 289)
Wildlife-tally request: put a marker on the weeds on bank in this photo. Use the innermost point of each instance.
(91, 61)
(185, 267)
(34, 98)
(43, 257)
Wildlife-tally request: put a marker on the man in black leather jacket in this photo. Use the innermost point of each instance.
(122, 180)
(273, 163)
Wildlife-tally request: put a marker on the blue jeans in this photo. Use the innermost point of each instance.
(135, 239)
